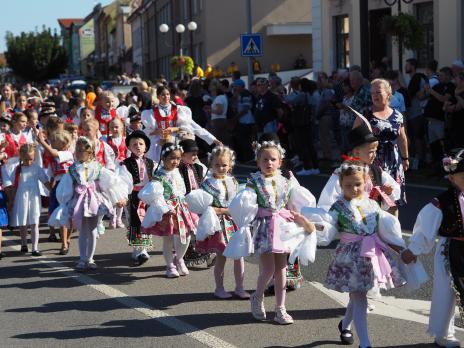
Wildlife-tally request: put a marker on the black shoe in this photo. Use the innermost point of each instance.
(346, 336)
(142, 258)
(52, 238)
(36, 253)
(24, 249)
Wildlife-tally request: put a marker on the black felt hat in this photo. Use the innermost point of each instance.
(361, 135)
(138, 134)
(189, 145)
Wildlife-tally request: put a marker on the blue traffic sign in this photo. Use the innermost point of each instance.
(251, 45)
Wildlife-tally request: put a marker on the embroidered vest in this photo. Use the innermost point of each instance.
(60, 168)
(451, 225)
(104, 119)
(100, 155)
(133, 168)
(197, 172)
(168, 121)
(121, 150)
(12, 149)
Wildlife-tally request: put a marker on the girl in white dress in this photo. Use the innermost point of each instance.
(364, 257)
(164, 121)
(216, 227)
(27, 207)
(271, 203)
(86, 193)
(443, 219)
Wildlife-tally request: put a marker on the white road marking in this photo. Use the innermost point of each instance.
(162, 317)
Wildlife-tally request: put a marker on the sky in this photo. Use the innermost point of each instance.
(27, 15)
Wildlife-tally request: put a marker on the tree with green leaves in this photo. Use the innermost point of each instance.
(36, 56)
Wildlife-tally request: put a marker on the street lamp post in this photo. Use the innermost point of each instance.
(180, 29)
(392, 3)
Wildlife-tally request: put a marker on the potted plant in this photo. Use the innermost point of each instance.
(405, 30)
(181, 64)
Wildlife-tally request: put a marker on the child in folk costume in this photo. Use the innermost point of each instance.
(117, 141)
(72, 129)
(168, 215)
(193, 172)
(61, 160)
(215, 226)
(363, 258)
(380, 185)
(139, 171)
(443, 219)
(3, 209)
(14, 139)
(104, 154)
(105, 113)
(164, 121)
(266, 204)
(86, 193)
(26, 192)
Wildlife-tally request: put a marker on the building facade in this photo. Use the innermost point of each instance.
(284, 24)
(337, 38)
(70, 34)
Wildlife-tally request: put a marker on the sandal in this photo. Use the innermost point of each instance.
(64, 251)
(346, 336)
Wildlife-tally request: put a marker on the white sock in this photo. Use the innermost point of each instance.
(360, 317)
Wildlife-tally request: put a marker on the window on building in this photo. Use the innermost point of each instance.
(342, 41)
(198, 54)
(185, 10)
(424, 15)
(197, 6)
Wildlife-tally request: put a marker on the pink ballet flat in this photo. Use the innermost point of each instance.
(222, 294)
(242, 294)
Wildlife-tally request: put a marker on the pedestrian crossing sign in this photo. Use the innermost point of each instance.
(251, 45)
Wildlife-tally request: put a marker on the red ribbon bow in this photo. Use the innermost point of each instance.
(349, 158)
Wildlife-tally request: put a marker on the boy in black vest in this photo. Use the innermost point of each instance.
(140, 169)
(193, 172)
(382, 187)
(443, 219)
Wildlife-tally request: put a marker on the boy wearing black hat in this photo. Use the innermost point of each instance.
(135, 120)
(382, 188)
(139, 169)
(192, 171)
(443, 219)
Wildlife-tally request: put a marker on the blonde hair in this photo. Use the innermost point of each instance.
(220, 151)
(118, 120)
(62, 137)
(87, 144)
(91, 121)
(383, 84)
(26, 149)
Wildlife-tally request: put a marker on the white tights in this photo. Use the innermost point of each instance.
(356, 311)
(273, 265)
(88, 238)
(170, 242)
(239, 272)
(34, 236)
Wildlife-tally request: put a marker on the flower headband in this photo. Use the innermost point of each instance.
(170, 149)
(357, 167)
(266, 144)
(224, 149)
(450, 163)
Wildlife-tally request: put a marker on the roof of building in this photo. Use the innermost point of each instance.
(67, 22)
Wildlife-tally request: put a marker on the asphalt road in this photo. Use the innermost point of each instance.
(44, 303)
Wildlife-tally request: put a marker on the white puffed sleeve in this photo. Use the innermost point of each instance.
(425, 230)
(60, 217)
(387, 179)
(244, 207)
(390, 229)
(115, 188)
(243, 210)
(331, 192)
(326, 224)
(122, 172)
(152, 195)
(200, 202)
(184, 119)
(148, 121)
(109, 157)
(300, 197)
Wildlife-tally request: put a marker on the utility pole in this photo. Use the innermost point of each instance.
(249, 31)
(364, 28)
